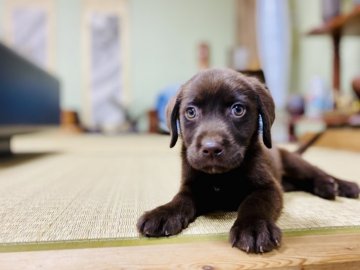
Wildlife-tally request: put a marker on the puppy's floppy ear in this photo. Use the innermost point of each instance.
(172, 116)
(266, 109)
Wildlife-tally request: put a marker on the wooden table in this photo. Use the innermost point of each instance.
(337, 138)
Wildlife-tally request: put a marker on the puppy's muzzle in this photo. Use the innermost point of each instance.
(211, 148)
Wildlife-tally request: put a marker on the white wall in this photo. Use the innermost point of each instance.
(164, 35)
(68, 52)
(164, 39)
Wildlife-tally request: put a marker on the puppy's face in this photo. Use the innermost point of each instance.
(218, 112)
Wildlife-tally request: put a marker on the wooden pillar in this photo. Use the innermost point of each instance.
(336, 61)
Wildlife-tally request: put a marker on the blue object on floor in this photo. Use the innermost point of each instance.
(162, 100)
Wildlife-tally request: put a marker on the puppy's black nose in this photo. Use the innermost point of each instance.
(211, 148)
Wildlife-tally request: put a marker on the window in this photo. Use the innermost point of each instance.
(28, 29)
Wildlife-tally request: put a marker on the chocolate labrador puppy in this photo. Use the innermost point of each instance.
(228, 162)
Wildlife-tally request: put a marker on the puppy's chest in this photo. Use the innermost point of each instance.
(222, 193)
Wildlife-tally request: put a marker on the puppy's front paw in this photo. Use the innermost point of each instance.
(256, 236)
(162, 221)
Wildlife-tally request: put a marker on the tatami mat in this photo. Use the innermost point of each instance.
(94, 188)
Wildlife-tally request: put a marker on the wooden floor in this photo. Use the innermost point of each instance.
(305, 252)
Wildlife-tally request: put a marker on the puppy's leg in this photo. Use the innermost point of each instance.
(168, 219)
(298, 174)
(254, 229)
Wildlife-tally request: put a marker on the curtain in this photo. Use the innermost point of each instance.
(274, 43)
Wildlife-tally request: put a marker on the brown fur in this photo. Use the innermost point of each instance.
(227, 166)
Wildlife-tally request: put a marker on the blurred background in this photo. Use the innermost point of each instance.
(110, 66)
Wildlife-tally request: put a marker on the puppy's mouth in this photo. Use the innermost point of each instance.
(214, 166)
(215, 169)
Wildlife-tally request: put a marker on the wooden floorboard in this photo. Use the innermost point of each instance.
(306, 252)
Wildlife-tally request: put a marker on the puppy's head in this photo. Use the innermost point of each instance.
(217, 112)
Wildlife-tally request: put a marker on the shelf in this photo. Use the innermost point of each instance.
(346, 24)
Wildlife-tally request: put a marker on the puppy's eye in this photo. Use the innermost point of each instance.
(190, 113)
(238, 110)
